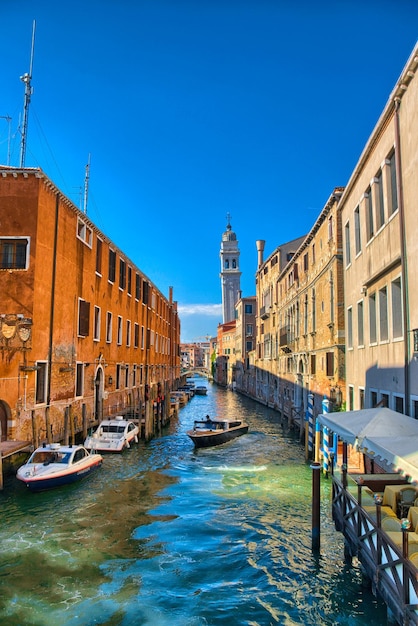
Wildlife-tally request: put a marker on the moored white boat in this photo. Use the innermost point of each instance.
(113, 435)
(53, 465)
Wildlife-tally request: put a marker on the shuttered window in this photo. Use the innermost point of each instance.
(83, 318)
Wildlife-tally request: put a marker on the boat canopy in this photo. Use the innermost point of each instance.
(381, 433)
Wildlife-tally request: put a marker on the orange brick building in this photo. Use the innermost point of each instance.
(83, 332)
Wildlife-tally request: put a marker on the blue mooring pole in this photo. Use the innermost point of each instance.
(316, 499)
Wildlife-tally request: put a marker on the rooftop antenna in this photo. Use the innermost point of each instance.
(86, 185)
(8, 120)
(26, 78)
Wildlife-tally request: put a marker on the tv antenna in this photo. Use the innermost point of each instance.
(86, 185)
(26, 78)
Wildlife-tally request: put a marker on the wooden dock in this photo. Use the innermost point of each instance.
(7, 449)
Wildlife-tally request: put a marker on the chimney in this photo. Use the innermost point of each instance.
(170, 295)
(260, 249)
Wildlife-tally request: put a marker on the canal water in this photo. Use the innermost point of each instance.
(164, 535)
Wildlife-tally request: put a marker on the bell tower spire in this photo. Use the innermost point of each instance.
(230, 273)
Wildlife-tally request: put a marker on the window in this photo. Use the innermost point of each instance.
(350, 328)
(330, 228)
(122, 274)
(385, 399)
(119, 331)
(397, 320)
(313, 364)
(84, 232)
(249, 309)
(129, 289)
(96, 329)
(398, 404)
(373, 399)
(126, 375)
(357, 230)
(306, 262)
(248, 346)
(145, 292)
(227, 264)
(369, 214)
(137, 287)
(14, 253)
(134, 370)
(99, 250)
(108, 327)
(83, 318)
(128, 333)
(347, 244)
(136, 335)
(372, 318)
(383, 314)
(361, 398)
(313, 311)
(112, 266)
(249, 329)
(350, 398)
(330, 364)
(305, 315)
(313, 254)
(118, 370)
(360, 324)
(393, 192)
(40, 393)
(380, 208)
(142, 337)
(234, 264)
(79, 380)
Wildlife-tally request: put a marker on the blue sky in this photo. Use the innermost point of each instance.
(192, 109)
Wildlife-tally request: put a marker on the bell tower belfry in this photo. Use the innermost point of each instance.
(230, 272)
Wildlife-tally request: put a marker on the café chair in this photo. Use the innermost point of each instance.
(391, 524)
(407, 496)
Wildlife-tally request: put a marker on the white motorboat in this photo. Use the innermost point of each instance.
(113, 435)
(53, 465)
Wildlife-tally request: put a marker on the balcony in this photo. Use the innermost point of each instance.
(265, 312)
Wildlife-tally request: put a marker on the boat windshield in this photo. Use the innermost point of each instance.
(49, 456)
(106, 428)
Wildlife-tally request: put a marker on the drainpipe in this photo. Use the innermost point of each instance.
(404, 268)
(51, 322)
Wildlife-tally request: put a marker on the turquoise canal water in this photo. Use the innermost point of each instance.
(164, 535)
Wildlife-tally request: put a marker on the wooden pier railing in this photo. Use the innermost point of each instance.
(383, 560)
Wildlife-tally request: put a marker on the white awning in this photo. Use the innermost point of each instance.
(379, 432)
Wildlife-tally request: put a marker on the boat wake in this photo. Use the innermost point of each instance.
(237, 468)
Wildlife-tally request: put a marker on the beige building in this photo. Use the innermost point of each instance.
(380, 226)
(300, 329)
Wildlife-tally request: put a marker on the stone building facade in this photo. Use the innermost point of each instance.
(300, 329)
(380, 227)
(83, 332)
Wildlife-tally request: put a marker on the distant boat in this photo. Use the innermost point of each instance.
(213, 432)
(113, 435)
(53, 465)
(201, 390)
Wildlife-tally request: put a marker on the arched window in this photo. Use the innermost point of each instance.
(234, 263)
(227, 264)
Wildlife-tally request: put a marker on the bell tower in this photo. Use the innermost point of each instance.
(230, 272)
